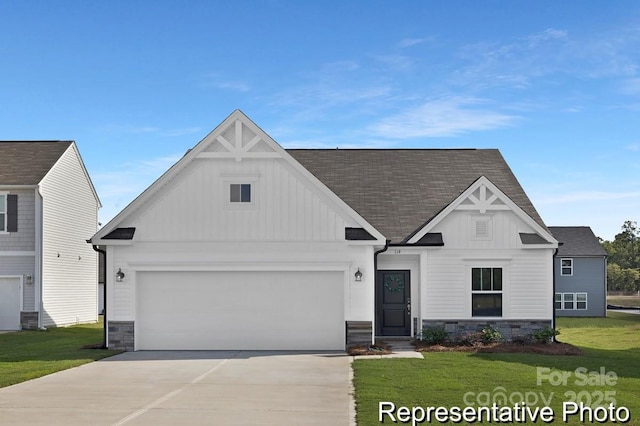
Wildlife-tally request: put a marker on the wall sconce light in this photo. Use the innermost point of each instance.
(358, 275)
(28, 279)
(119, 275)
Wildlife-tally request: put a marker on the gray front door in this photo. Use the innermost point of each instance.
(393, 303)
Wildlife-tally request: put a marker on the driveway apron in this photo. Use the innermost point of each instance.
(184, 387)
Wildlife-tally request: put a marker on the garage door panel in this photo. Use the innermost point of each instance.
(240, 310)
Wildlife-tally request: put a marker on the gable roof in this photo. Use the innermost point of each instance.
(577, 241)
(27, 162)
(398, 191)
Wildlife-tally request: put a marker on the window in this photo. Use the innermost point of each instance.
(571, 301)
(3, 212)
(581, 301)
(486, 292)
(566, 268)
(568, 301)
(240, 193)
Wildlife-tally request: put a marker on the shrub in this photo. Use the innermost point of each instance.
(470, 338)
(544, 335)
(434, 335)
(490, 334)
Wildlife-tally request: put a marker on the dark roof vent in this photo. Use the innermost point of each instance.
(120, 234)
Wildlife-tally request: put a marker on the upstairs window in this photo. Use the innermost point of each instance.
(3, 212)
(240, 193)
(566, 268)
(486, 292)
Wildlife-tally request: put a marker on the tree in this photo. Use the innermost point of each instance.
(624, 250)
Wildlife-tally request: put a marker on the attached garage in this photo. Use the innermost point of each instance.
(10, 303)
(224, 310)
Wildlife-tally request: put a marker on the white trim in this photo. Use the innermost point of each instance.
(3, 230)
(574, 301)
(252, 180)
(236, 118)
(562, 274)
(17, 253)
(481, 182)
(238, 266)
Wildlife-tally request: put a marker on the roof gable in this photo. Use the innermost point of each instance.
(400, 190)
(28, 162)
(483, 196)
(238, 138)
(577, 241)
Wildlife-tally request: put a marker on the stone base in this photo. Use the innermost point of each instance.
(359, 332)
(510, 329)
(121, 335)
(29, 320)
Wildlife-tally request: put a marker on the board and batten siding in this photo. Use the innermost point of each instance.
(527, 272)
(194, 206)
(70, 265)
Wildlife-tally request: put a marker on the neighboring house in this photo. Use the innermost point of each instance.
(245, 245)
(581, 273)
(48, 208)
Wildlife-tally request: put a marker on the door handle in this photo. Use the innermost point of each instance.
(408, 306)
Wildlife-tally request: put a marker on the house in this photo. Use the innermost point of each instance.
(580, 272)
(48, 208)
(244, 245)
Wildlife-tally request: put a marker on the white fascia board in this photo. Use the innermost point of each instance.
(483, 180)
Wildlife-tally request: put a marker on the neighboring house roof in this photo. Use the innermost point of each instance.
(400, 190)
(577, 241)
(27, 162)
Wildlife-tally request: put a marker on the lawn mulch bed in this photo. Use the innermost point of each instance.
(378, 348)
(504, 347)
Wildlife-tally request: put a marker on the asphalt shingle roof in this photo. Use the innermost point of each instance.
(577, 241)
(27, 162)
(399, 190)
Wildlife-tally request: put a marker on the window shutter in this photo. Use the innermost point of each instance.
(12, 213)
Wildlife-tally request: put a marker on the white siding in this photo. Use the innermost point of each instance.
(193, 207)
(70, 209)
(528, 281)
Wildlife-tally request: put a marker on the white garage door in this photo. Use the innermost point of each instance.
(10, 303)
(240, 310)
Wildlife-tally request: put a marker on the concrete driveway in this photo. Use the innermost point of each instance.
(194, 388)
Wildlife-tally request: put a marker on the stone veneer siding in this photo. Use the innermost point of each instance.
(359, 332)
(510, 329)
(121, 335)
(29, 320)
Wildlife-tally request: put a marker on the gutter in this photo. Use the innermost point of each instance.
(553, 298)
(104, 297)
(375, 279)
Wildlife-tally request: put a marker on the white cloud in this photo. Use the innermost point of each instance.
(408, 42)
(442, 117)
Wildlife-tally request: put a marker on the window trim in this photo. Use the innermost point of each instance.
(252, 180)
(500, 292)
(5, 220)
(563, 300)
(569, 267)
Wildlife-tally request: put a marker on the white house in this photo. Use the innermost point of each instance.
(245, 245)
(48, 207)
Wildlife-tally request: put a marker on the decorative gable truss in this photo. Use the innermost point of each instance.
(482, 197)
(239, 141)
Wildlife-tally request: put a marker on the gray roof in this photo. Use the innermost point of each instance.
(27, 162)
(577, 241)
(399, 190)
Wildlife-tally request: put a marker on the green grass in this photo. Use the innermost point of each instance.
(626, 301)
(443, 379)
(26, 355)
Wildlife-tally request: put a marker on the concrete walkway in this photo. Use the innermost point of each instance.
(194, 388)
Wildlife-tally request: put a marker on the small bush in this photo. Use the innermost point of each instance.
(545, 334)
(434, 335)
(470, 339)
(490, 334)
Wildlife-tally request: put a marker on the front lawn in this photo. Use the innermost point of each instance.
(25, 355)
(611, 347)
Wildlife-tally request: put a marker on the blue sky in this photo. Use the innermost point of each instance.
(554, 85)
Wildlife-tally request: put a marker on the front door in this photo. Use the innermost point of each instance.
(393, 303)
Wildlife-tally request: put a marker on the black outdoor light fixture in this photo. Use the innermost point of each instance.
(119, 275)
(358, 275)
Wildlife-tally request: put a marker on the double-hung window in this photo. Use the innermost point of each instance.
(3, 212)
(566, 268)
(486, 292)
(571, 301)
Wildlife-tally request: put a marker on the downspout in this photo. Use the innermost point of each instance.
(553, 298)
(104, 289)
(375, 279)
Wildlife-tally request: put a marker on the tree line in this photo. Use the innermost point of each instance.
(623, 269)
